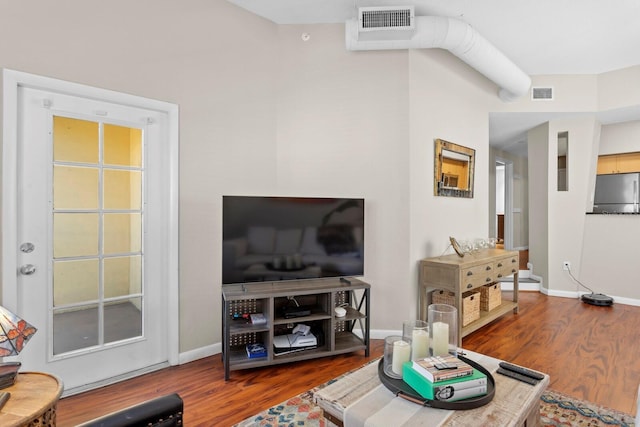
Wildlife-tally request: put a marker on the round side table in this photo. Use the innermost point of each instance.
(33, 401)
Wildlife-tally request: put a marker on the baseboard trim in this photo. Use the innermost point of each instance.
(113, 380)
(200, 353)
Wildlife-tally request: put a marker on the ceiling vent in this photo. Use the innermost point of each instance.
(386, 22)
(542, 93)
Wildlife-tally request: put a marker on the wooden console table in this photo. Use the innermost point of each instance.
(462, 274)
(33, 401)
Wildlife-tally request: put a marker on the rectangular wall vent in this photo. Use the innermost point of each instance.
(386, 23)
(542, 93)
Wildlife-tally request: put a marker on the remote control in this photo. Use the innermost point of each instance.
(521, 370)
(517, 376)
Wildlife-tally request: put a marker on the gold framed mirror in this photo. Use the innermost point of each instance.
(454, 168)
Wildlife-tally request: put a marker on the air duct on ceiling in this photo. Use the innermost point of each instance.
(456, 36)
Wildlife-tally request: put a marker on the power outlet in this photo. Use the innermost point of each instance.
(566, 265)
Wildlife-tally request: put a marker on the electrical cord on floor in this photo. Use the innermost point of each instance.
(579, 282)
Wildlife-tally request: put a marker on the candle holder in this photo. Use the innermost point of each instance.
(396, 352)
(443, 329)
(416, 332)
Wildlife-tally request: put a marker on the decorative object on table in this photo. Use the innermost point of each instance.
(8, 373)
(450, 390)
(443, 329)
(456, 246)
(396, 352)
(416, 333)
(403, 390)
(14, 333)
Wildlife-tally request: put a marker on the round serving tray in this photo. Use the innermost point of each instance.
(403, 390)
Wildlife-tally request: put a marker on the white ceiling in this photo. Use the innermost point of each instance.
(539, 36)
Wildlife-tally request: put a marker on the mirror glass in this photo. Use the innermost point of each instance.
(563, 161)
(454, 168)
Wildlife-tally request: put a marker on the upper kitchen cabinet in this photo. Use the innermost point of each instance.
(619, 163)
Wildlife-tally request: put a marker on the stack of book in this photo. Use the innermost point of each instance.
(8, 373)
(444, 378)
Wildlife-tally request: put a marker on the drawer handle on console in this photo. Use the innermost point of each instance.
(469, 286)
(487, 268)
(469, 273)
(513, 270)
(499, 264)
(499, 275)
(513, 260)
(488, 279)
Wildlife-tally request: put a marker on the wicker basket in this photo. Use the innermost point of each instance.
(443, 297)
(490, 296)
(470, 307)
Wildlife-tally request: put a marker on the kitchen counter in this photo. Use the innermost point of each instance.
(613, 213)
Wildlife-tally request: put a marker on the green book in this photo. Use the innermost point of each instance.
(450, 390)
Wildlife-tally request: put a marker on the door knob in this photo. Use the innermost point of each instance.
(27, 269)
(27, 247)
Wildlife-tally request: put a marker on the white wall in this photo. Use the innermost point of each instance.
(620, 138)
(539, 237)
(567, 208)
(448, 101)
(343, 130)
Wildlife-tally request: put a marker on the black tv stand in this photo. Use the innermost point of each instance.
(316, 298)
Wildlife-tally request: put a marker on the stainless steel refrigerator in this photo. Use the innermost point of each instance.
(617, 193)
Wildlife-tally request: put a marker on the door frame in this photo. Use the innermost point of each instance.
(12, 80)
(508, 201)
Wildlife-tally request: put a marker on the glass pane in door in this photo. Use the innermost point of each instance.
(97, 234)
(75, 140)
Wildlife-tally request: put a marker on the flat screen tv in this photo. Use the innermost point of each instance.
(291, 238)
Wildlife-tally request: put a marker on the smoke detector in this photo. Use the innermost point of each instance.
(386, 22)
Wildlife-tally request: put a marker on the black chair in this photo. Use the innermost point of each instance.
(164, 411)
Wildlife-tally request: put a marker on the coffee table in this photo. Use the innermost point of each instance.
(359, 399)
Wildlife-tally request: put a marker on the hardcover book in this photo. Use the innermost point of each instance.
(441, 368)
(449, 391)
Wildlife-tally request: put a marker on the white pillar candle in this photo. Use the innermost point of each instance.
(440, 344)
(401, 354)
(419, 344)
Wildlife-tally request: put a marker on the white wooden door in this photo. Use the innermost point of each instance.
(91, 236)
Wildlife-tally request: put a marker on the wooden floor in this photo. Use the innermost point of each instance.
(590, 353)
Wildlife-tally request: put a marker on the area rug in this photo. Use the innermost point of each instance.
(556, 410)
